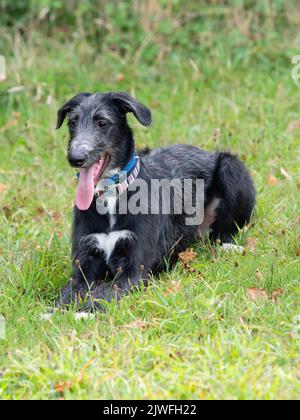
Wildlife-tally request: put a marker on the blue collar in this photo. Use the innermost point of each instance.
(128, 168)
(120, 181)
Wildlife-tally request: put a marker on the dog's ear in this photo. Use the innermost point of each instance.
(68, 106)
(127, 103)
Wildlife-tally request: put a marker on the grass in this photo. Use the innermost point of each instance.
(190, 334)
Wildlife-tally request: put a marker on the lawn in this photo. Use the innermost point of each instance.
(218, 78)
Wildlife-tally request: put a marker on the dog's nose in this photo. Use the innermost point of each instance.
(76, 158)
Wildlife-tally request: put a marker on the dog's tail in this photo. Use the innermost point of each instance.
(233, 184)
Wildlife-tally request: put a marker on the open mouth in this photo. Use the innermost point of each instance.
(88, 179)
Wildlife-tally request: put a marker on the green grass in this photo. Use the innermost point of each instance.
(204, 339)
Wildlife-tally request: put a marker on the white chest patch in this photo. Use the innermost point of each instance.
(111, 207)
(107, 242)
(107, 207)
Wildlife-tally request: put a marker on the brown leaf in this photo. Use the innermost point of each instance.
(8, 125)
(275, 295)
(251, 244)
(57, 216)
(293, 125)
(284, 173)
(62, 387)
(256, 294)
(188, 256)
(272, 180)
(120, 77)
(155, 104)
(297, 251)
(173, 289)
(2, 188)
(40, 211)
(137, 324)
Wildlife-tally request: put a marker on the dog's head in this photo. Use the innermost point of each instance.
(98, 127)
(100, 138)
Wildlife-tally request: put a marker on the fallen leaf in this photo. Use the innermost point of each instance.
(40, 211)
(188, 256)
(284, 173)
(2, 188)
(173, 289)
(275, 295)
(155, 104)
(293, 125)
(62, 387)
(137, 323)
(272, 180)
(57, 216)
(8, 125)
(120, 77)
(251, 244)
(297, 252)
(256, 294)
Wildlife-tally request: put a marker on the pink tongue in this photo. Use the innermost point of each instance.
(85, 189)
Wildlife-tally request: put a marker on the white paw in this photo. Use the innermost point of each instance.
(83, 315)
(77, 316)
(47, 316)
(232, 248)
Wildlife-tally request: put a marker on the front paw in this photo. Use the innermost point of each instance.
(72, 293)
(104, 292)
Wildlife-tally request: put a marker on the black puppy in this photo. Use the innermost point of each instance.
(127, 247)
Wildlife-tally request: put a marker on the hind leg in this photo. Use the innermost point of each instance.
(233, 198)
(224, 226)
(213, 226)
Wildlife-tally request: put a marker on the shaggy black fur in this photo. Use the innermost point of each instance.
(154, 238)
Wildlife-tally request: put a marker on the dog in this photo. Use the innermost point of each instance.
(112, 252)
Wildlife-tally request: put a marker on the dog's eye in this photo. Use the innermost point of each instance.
(72, 123)
(101, 123)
